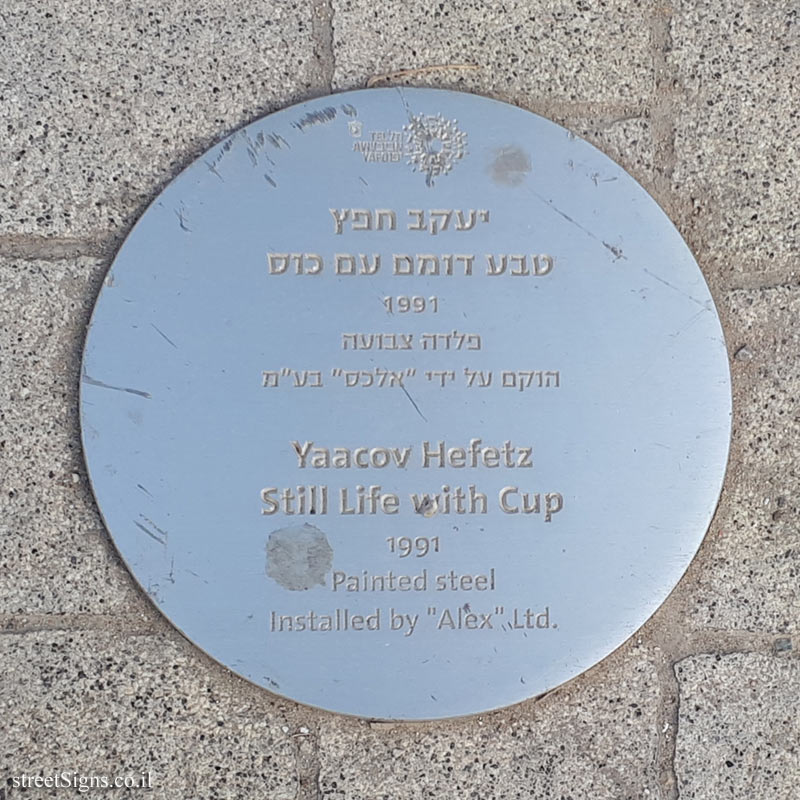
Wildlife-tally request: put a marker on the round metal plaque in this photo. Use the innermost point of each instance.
(406, 404)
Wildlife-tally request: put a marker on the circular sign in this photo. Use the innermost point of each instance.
(406, 404)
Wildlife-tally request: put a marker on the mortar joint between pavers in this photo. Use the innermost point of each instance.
(763, 282)
(667, 94)
(322, 22)
(29, 247)
(717, 642)
(308, 766)
(12, 624)
(667, 733)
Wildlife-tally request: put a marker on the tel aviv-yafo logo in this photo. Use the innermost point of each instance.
(429, 143)
(433, 145)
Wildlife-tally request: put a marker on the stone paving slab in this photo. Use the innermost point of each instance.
(101, 102)
(56, 557)
(101, 704)
(738, 727)
(557, 50)
(738, 128)
(747, 576)
(577, 743)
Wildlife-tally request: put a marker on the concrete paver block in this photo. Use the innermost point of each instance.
(101, 704)
(103, 101)
(56, 557)
(558, 50)
(575, 743)
(747, 574)
(738, 727)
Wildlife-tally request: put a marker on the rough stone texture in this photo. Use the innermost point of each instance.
(55, 556)
(576, 744)
(559, 51)
(100, 704)
(101, 102)
(738, 127)
(738, 727)
(748, 574)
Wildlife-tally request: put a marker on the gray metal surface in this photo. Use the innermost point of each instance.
(379, 296)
